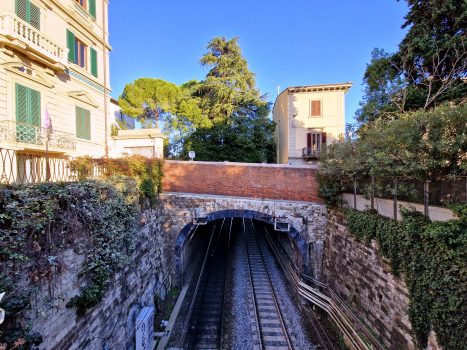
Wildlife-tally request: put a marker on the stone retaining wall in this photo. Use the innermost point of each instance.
(363, 279)
(111, 323)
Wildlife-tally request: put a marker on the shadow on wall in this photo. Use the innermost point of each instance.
(299, 245)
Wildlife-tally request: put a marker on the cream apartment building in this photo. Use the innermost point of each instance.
(54, 59)
(307, 118)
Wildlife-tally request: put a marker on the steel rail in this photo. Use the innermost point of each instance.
(274, 298)
(204, 292)
(187, 322)
(221, 331)
(309, 310)
(329, 305)
(255, 302)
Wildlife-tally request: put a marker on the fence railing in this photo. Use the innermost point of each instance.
(19, 166)
(438, 191)
(12, 131)
(310, 152)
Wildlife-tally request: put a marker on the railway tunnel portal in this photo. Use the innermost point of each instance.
(303, 240)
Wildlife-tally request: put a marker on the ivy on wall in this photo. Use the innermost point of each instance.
(432, 256)
(38, 222)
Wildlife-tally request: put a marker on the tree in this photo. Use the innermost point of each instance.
(247, 139)
(149, 100)
(230, 87)
(226, 115)
(429, 68)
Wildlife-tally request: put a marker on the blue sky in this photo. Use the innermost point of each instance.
(287, 43)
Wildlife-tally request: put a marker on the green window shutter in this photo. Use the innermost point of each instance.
(22, 103)
(34, 16)
(35, 107)
(93, 62)
(70, 44)
(22, 9)
(79, 122)
(92, 8)
(87, 124)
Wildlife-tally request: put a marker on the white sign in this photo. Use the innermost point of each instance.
(145, 329)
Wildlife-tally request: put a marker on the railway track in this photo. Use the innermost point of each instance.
(266, 313)
(204, 325)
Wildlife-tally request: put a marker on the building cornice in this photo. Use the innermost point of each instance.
(320, 88)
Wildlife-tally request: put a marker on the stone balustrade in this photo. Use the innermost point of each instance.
(25, 36)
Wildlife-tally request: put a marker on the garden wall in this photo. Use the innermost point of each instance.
(266, 181)
(111, 323)
(362, 278)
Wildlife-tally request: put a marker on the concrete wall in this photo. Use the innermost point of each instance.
(112, 321)
(386, 207)
(363, 279)
(266, 181)
(308, 219)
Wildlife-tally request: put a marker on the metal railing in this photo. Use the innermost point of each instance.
(323, 296)
(20, 166)
(309, 152)
(437, 191)
(12, 131)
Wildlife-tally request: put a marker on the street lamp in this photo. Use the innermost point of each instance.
(192, 155)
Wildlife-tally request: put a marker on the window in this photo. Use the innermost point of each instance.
(28, 105)
(315, 108)
(314, 142)
(83, 123)
(82, 3)
(28, 12)
(146, 151)
(78, 53)
(89, 5)
(28, 113)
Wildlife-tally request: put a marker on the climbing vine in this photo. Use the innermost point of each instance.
(432, 256)
(38, 223)
(147, 171)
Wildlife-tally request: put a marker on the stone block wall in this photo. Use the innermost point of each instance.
(307, 219)
(363, 279)
(111, 323)
(266, 181)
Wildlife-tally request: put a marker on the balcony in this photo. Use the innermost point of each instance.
(23, 36)
(35, 137)
(309, 152)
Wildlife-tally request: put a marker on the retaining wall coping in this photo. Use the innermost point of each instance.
(265, 165)
(209, 196)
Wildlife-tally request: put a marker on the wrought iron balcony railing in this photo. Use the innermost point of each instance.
(308, 152)
(11, 131)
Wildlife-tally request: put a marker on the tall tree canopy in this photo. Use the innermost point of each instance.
(224, 117)
(230, 87)
(429, 67)
(149, 100)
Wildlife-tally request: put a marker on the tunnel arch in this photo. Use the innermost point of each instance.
(238, 213)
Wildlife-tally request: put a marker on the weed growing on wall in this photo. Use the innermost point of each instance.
(38, 223)
(147, 171)
(432, 256)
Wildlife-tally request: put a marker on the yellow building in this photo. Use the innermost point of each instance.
(54, 59)
(308, 117)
